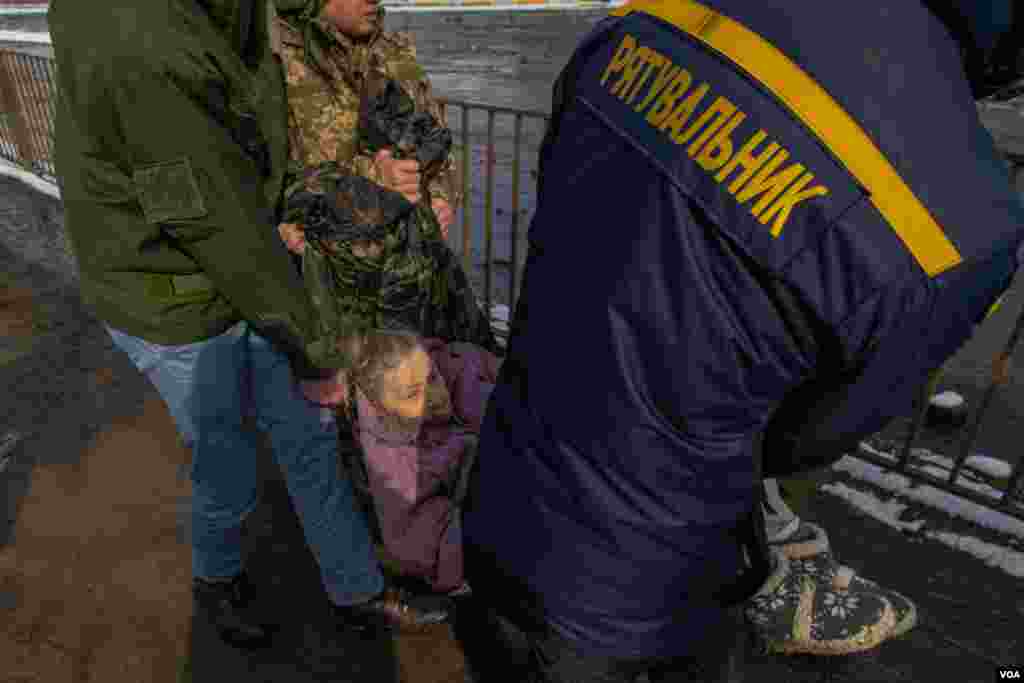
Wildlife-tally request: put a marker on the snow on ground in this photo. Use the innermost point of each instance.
(977, 487)
(947, 399)
(931, 496)
(993, 467)
(888, 512)
(35, 37)
(15, 11)
(10, 170)
(499, 313)
(1000, 557)
(499, 318)
(943, 465)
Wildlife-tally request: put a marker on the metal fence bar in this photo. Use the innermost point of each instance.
(489, 210)
(1000, 376)
(14, 104)
(1014, 493)
(536, 113)
(489, 213)
(45, 87)
(21, 71)
(1014, 509)
(27, 105)
(8, 102)
(513, 280)
(36, 109)
(916, 426)
(466, 188)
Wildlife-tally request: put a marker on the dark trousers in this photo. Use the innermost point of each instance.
(507, 640)
(499, 652)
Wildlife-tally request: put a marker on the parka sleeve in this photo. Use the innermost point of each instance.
(405, 67)
(195, 180)
(912, 329)
(447, 184)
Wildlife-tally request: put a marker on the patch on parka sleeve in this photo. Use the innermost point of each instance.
(168, 191)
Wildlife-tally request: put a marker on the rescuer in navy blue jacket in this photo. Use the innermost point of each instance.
(757, 221)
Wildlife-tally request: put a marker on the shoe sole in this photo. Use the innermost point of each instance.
(246, 644)
(871, 637)
(909, 619)
(390, 627)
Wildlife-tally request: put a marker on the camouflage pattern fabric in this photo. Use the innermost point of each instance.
(324, 108)
(384, 270)
(387, 274)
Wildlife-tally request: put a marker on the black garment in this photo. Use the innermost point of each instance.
(507, 640)
(225, 603)
(555, 660)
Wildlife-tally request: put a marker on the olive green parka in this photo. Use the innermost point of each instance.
(171, 148)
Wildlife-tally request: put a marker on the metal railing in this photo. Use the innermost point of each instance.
(27, 96)
(27, 99)
(489, 157)
(1011, 500)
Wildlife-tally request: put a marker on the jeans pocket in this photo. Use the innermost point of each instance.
(140, 352)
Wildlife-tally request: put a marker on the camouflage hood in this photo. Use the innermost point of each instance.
(304, 17)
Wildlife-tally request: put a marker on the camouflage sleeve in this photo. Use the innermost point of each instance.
(363, 165)
(447, 184)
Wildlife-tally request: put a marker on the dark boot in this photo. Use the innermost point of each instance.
(394, 610)
(224, 603)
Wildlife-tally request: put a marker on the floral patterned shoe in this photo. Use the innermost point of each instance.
(796, 612)
(825, 569)
(906, 611)
(806, 541)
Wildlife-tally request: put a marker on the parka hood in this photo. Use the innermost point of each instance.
(242, 22)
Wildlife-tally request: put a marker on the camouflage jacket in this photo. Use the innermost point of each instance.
(323, 116)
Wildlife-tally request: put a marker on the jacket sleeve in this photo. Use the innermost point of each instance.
(207, 194)
(405, 66)
(447, 184)
(910, 331)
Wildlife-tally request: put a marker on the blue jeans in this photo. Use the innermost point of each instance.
(205, 389)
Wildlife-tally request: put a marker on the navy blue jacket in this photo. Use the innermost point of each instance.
(715, 245)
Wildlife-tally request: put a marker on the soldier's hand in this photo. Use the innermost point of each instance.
(402, 176)
(444, 213)
(293, 237)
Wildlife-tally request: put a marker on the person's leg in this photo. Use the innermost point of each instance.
(306, 449)
(784, 529)
(780, 521)
(722, 656)
(556, 660)
(496, 650)
(200, 385)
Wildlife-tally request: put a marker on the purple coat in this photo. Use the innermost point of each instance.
(408, 474)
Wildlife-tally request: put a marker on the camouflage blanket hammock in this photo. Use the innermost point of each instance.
(374, 260)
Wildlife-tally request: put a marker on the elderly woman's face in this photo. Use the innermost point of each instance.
(355, 18)
(415, 390)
